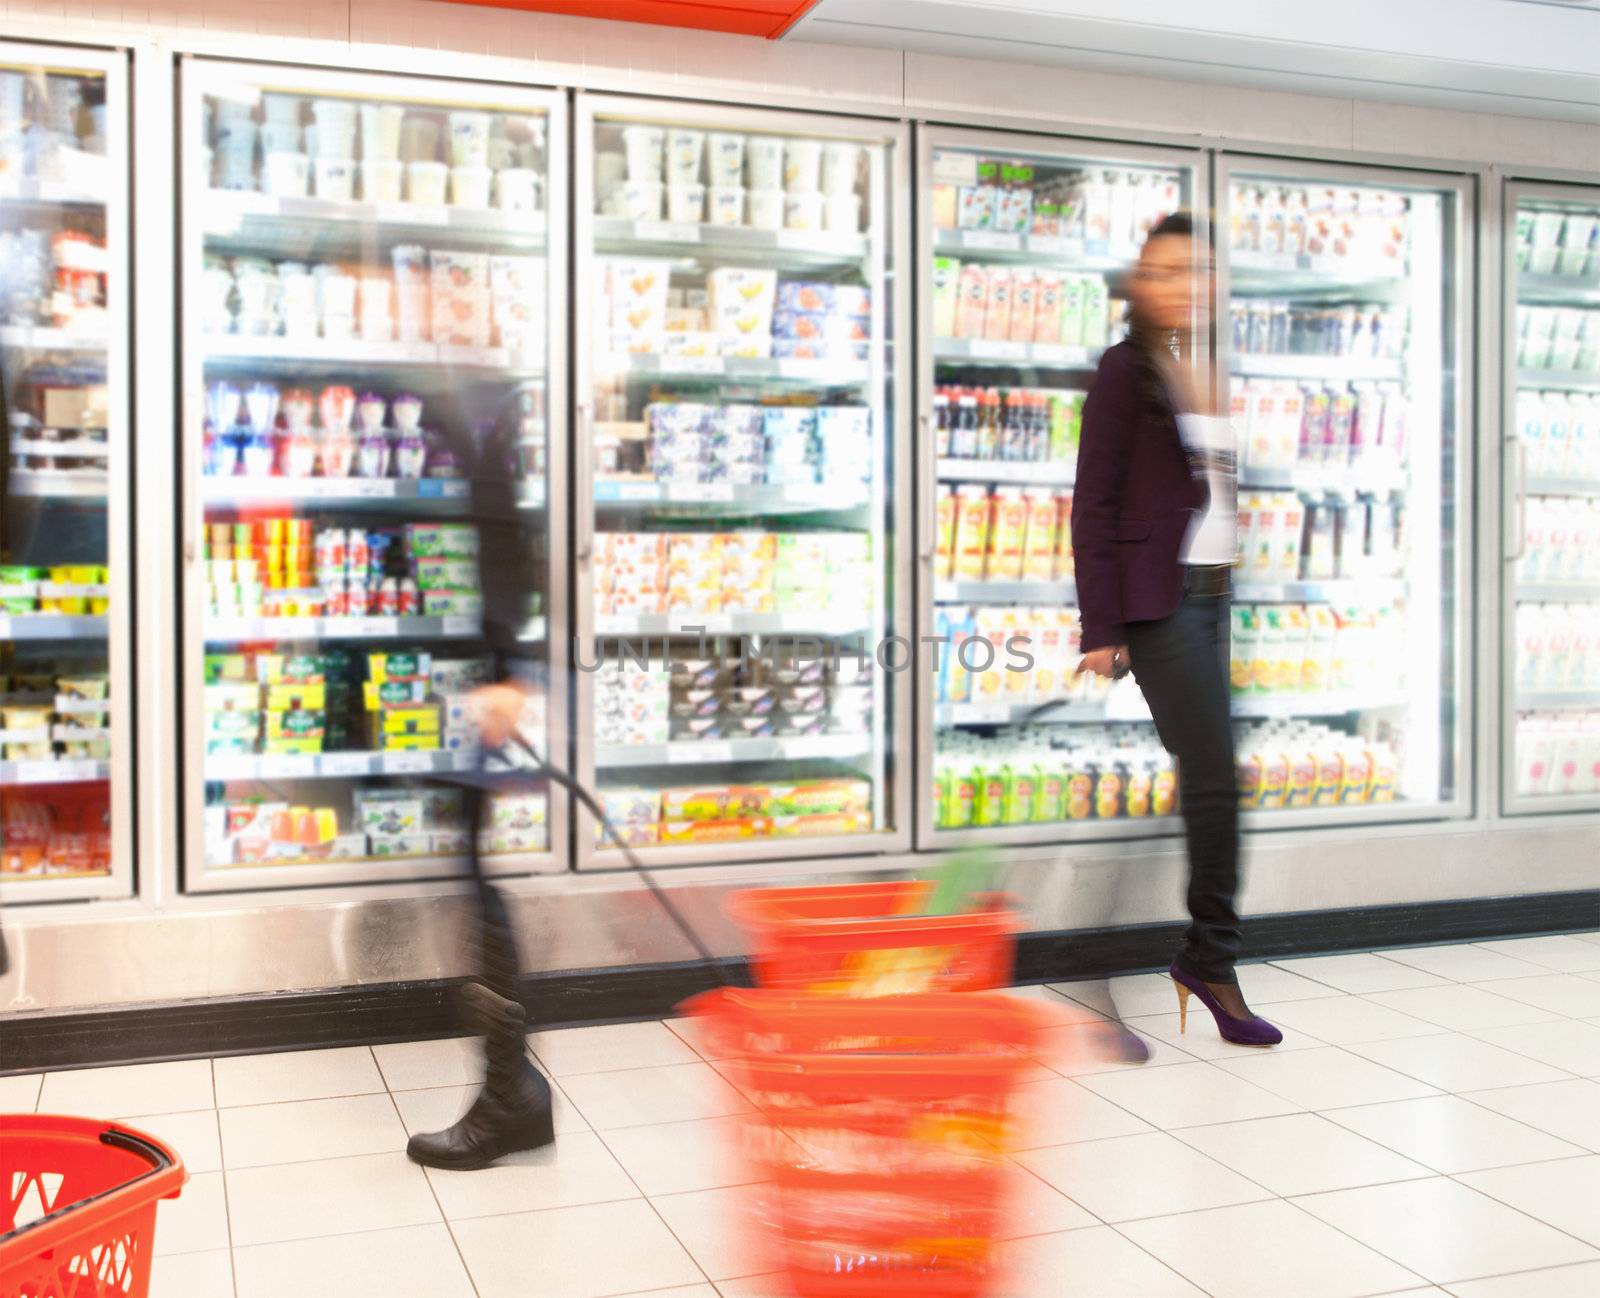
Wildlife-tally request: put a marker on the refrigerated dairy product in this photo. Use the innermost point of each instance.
(1558, 753)
(1295, 764)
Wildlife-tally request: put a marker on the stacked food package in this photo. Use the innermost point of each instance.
(718, 813)
(1003, 533)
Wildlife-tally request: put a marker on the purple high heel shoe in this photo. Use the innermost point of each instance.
(1253, 1031)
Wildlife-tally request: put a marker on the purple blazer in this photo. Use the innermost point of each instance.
(1131, 508)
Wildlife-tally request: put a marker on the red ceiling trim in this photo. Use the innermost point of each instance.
(766, 18)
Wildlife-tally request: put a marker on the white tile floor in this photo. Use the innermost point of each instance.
(1431, 1125)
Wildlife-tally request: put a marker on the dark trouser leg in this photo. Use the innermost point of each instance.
(1179, 663)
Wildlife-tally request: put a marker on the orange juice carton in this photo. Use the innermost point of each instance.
(944, 552)
(974, 511)
(988, 664)
(1024, 306)
(1073, 289)
(1244, 631)
(1048, 651)
(1288, 669)
(1274, 777)
(1302, 774)
(1291, 524)
(1041, 534)
(1249, 772)
(1017, 666)
(972, 301)
(1047, 307)
(1007, 533)
(1356, 787)
(1065, 566)
(1316, 669)
(1239, 419)
(1346, 649)
(1330, 773)
(998, 306)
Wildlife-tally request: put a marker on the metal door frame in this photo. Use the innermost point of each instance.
(1459, 273)
(711, 115)
(1508, 539)
(198, 75)
(1186, 161)
(127, 682)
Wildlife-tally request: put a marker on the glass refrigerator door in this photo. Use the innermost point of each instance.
(1023, 239)
(1346, 295)
(743, 639)
(1551, 746)
(372, 397)
(65, 738)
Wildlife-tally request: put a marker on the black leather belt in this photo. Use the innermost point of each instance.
(1210, 580)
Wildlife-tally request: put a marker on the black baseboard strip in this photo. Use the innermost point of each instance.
(371, 1015)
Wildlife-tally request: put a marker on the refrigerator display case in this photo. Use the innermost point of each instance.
(1346, 298)
(1022, 242)
(1551, 733)
(373, 380)
(65, 679)
(742, 639)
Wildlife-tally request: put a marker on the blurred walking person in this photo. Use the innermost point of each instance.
(512, 1111)
(1155, 534)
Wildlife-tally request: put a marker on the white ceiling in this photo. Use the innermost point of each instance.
(1536, 58)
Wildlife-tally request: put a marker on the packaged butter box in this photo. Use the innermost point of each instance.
(386, 667)
(444, 573)
(505, 842)
(409, 719)
(296, 723)
(377, 695)
(426, 742)
(290, 746)
(518, 811)
(679, 832)
(283, 697)
(442, 540)
(822, 797)
(389, 811)
(813, 826)
(397, 844)
(452, 603)
(232, 697)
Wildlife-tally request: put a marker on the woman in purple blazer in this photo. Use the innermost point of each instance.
(1154, 531)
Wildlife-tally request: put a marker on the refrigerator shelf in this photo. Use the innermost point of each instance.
(1557, 700)
(1295, 274)
(1004, 245)
(44, 485)
(1036, 473)
(332, 766)
(1560, 485)
(643, 624)
(1559, 380)
(1347, 590)
(1558, 593)
(1557, 290)
(54, 772)
(1337, 479)
(1312, 705)
(780, 248)
(299, 354)
(1005, 592)
(1065, 712)
(52, 192)
(811, 373)
(45, 338)
(1330, 368)
(250, 630)
(707, 752)
(346, 493)
(1044, 356)
(54, 626)
(263, 222)
(726, 498)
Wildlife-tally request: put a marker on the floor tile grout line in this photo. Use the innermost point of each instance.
(687, 1251)
(1562, 1230)
(222, 1177)
(433, 1190)
(1159, 1261)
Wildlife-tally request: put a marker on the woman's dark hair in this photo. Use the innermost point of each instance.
(1148, 342)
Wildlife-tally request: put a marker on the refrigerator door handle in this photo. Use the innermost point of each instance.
(927, 491)
(1516, 543)
(584, 466)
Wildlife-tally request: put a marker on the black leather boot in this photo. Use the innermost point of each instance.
(512, 1111)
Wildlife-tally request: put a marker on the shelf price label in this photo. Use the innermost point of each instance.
(411, 214)
(696, 364)
(993, 240)
(666, 232)
(5, 628)
(459, 624)
(375, 628)
(280, 768)
(703, 751)
(40, 772)
(345, 764)
(414, 763)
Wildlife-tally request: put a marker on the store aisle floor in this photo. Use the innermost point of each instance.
(1430, 1125)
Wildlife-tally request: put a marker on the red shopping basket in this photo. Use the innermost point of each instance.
(866, 939)
(85, 1194)
(884, 1125)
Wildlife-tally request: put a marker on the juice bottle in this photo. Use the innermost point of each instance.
(989, 425)
(1024, 306)
(992, 794)
(1291, 523)
(1289, 667)
(1141, 787)
(1265, 667)
(1111, 788)
(1022, 790)
(1047, 307)
(1080, 787)
(941, 424)
(1385, 775)
(1007, 534)
(941, 795)
(1049, 793)
(1066, 569)
(1250, 772)
(1074, 288)
(1302, 774)
(957, 679)
(1317, 664)
(1164, 788)
(988, 666)
(964, 784)
(946, 296)
(1356, 786)
(964, 426)
(1096, 312)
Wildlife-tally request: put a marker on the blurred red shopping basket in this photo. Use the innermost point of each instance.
(882, 1126)
(867, 939)
(84, 1193)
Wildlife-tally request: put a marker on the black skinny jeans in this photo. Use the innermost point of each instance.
(1181, 664)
